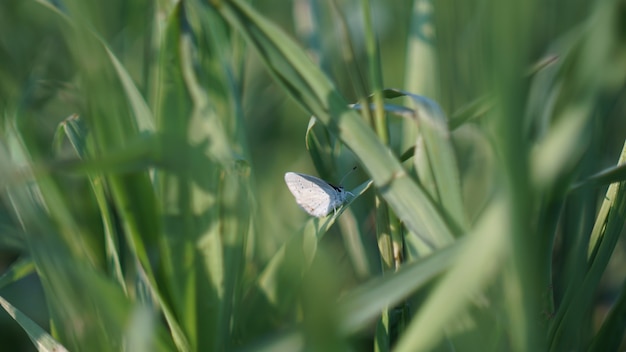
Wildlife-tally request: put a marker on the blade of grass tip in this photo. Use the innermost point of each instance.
(472, 111)
(610, 212)
(408, 154)
(76, 132)
(20, 268)
(318, 146)
(141, 112)
(40, 338)
(610, 175)
(293, 69)
(398, 110)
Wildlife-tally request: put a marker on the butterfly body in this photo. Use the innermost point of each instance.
(316, 196)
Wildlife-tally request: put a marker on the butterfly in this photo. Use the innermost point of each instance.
(316, 196)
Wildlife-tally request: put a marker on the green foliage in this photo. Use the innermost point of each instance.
(142, 149)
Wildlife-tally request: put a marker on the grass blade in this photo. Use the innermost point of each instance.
(39, 336)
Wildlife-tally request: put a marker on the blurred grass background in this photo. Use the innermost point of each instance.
(143, 148)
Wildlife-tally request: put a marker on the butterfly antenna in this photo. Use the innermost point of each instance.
(346, 175)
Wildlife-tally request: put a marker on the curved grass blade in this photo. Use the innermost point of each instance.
(364, 304)
(606, 231)
(19, 269)
(444, 303)
(610, 175)
(76, 132)
(37, 335)
(320, 144)
(440, 159)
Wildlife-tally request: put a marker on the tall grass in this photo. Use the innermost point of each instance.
(138, 190)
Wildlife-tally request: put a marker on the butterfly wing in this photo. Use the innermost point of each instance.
(312, 194)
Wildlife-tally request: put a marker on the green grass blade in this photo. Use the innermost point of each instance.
(604, 236)
(364, 304)
(321, 147)
(375, 75)
(440, 162)
(421, 58)
(39, 336)
(444, 303)
(610, 175)
(17, 270)
(77, 134)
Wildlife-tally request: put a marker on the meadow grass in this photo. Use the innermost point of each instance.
(142, 148)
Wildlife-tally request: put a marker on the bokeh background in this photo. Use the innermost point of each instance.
(41, 81)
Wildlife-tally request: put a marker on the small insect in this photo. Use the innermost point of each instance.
(316, 196)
